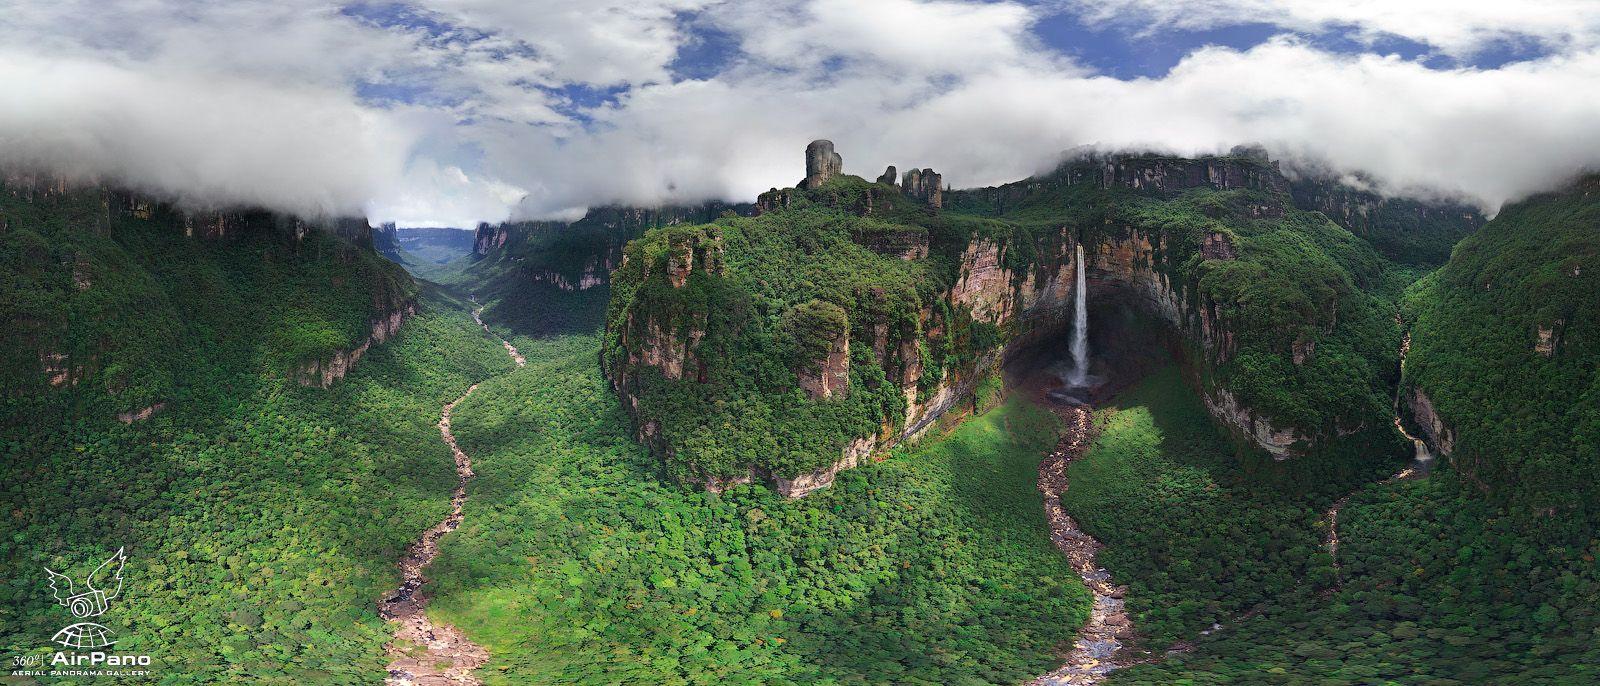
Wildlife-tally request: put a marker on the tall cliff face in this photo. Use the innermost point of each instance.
(489, 238)
(120, 303)
(1146, 173)
(1502, 373)
(1213, 247)
(386, 240)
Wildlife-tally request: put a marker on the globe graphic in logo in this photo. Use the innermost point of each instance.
(84, 635)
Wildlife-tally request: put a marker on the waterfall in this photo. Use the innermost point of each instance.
(1080, 325)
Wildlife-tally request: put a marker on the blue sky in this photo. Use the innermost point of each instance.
(1118, 50)
(430, 112)
(1122, 54)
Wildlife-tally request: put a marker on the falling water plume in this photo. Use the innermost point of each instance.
(1080, 326)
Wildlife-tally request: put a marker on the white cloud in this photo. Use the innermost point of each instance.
(274, 103)
(205, 141)
(430, 195)
(595, 42)
(920, 37)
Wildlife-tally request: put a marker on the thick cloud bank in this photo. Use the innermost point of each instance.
(205, 141)
(480, 110)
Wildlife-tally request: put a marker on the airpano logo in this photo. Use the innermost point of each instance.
(90, 599)
(93, 601)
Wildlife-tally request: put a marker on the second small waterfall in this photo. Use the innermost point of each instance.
(1080, 326)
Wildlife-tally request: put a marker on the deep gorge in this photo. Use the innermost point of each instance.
(924, 333)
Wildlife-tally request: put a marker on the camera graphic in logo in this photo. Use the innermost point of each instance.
(91, 602)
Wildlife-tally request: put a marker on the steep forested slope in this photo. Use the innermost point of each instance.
(1482, 572)
(1405, 230)
(1506, 361)
(261, 516)
(115, 303)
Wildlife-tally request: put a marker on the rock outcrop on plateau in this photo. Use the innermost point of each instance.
(923, 184)
(822, 163)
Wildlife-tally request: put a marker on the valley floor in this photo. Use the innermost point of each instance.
(577, 563)
(426, 652)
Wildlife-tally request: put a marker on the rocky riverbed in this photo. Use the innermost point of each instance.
(1103, 642)
(424, 652)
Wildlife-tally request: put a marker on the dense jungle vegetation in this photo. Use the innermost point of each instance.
(1436, 586)
(1526, 424)
(262, 519)
(579, 563)
(1199, 534)
(1440, 589)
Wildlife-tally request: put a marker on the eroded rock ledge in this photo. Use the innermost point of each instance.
(322, 373)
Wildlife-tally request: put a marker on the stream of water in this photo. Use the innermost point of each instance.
(1420, 466)
(423, 652)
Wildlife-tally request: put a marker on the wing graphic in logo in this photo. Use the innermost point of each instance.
(63, 594)
(109, 572)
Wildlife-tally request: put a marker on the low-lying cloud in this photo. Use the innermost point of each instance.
(482, 111)
(207, 142)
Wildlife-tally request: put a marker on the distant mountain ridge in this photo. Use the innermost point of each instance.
(582, 254)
